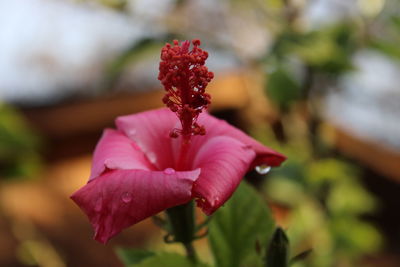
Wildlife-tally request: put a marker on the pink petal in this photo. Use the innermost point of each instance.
(116, 151)
(216, 127)
(150, 130)
(223, 161)
(120, 198)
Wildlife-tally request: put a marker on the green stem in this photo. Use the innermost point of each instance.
(182, 222)
(190, 252)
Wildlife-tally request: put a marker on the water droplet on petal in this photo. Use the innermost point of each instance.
(126, 197)
(169, 171)
(263, 169)
(132, 132)
(152, 157)
(98, 205)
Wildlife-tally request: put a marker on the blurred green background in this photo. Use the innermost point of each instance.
(316, 80)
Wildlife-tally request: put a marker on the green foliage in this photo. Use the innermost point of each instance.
(18, 145)
(388, 48)
(353, 236)
(319, 54)
(167, 260)
(300, 257)
(328, 50)
(388, 43)
(282, 88)
(115, 4)
(133, 256)
(326, 207)
(235, 231)
(118, 5)
(326, 199)
(237, 227)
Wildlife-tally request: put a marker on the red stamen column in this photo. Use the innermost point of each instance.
(185, 78)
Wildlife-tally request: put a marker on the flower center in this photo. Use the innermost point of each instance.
(185, 78)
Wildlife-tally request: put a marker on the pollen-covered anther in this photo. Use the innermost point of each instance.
(199, 129)
(174, 133)
(185, 78)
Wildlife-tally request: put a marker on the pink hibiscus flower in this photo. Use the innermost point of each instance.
(150, 163)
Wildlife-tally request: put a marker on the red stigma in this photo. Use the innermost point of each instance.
(185, 78)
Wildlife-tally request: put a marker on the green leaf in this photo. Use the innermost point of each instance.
(133, 256)
(282, 88)
(168, 260)
(328, 50)
(19, 145)
(300, 257)
(115, 4)
(389, 48)
(236, 227)
(278, 250)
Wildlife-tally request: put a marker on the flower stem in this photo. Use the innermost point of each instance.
(181, 219)
(190, 251)
(182, 222)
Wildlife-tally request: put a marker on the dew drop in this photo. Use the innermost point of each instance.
(169, 171)
(126, 197)
(263, 169)
(132, 132)
(98, 205)
(152, 157)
